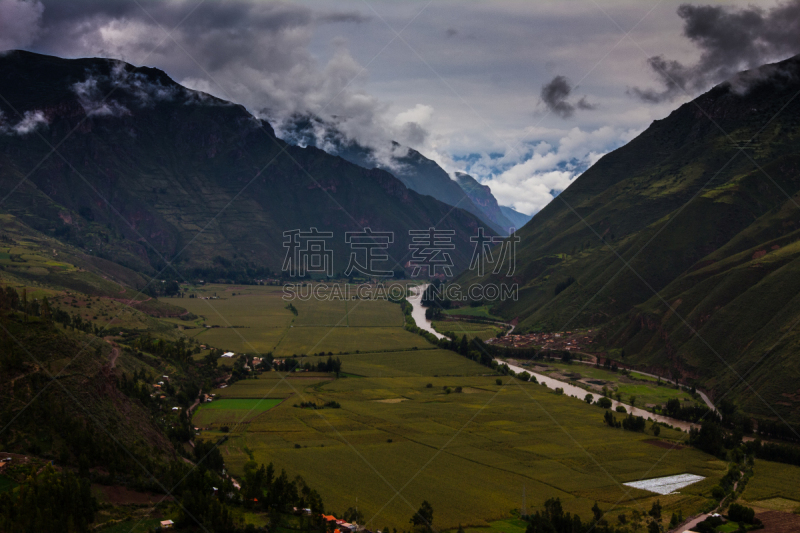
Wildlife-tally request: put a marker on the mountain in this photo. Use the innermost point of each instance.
(517, 219)
(127, 165)
(683, 246)
(481, 195)
(416, 171)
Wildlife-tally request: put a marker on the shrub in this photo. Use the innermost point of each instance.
(605, 403)
(429, 386)
(621, 409)
(740, 513)
(498, 381)
(458, 389)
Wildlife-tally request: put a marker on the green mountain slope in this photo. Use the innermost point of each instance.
(682, 244)
(155, 171)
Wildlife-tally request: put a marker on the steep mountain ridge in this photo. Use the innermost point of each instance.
(155, 172)
(481, 195)
(682, 245)
(515, 217)
(416, 171)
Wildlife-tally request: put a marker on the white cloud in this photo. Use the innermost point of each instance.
(29, 122)
(20, 22)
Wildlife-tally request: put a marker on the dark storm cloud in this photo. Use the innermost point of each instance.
(554, 95)
(255, 53)
(730, 41)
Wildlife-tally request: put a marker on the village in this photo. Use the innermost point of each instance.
(564, 341)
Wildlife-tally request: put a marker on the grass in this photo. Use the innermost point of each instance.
(482, 311)
(409, 363)
(470, 329)
(643, 387)
(257, 405)
(255, 319)
(324, 339)
(771, 481)
(232, 411)
(501, 526)
(470, 454)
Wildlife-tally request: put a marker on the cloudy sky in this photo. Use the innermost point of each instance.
(522, 95)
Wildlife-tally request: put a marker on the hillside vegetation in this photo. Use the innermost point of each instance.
(684, 245)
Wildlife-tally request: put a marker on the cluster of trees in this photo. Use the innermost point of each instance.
(690, 413)
(629, 423)
(780, 453)
(49, 501)
(432, 297)
(177, 351)
(138, 386)
(314, 405)
(553, 519)
(277, 494)
(777, 430)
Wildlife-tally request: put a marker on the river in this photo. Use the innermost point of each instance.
(418, 313)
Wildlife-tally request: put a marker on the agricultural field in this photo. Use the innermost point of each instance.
(470, 329)
(774, 486)
(256, 319)
(431, 362)
(233, 411)
(644, 388)
(482, 312)
(470, 453)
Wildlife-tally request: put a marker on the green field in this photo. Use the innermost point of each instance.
(470, 329)
(482, 311)
(255, 319)
(470, 454)
(643, 387)
(410, 363)
(233, 411)
(774, 485)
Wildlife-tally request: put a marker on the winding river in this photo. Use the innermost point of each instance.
(418, 313)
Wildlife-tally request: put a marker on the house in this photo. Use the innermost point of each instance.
(228, 354)
(167, 524)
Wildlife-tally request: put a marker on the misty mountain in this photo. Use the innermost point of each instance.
(517, 219)
(130, 166)
(481, 195)
(416, 171)
(683, 246)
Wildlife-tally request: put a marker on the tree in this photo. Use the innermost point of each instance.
(655, 510)
(597, 512)
(423, 518)
(605, 403)
(354, 516)
(653, 527)
(632, 401)
(588, 398)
